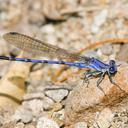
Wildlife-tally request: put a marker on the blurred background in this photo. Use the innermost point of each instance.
(70, 24)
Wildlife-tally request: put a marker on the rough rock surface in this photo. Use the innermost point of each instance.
(83, 102)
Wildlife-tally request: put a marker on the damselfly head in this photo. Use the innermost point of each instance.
(112, 67)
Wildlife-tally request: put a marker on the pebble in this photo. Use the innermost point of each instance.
(99, 20)
(19, 125)
(35, 105)
(23, 115)
(44, 102)
(30, 126)
(59, 114)
(105, 118)
(57, 95)
(47, 103)
(1, 120)
(122, 56)
(80, 125)
(48, 29)
(31, 96)
(107, 50)
(44, 122)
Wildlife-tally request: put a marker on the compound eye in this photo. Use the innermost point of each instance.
(112, 70)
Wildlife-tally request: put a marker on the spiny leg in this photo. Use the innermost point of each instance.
(89, 75)
(113, 82)
(86, 80)
(100, 80)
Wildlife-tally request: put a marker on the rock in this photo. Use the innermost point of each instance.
(99, 20)
(42, 102)
(32, 96)
(105, 118)
(1, 120)
(80, 125)
(44, 122)
(47, 103)
(10, 124)
(122, 56)
(107, 50)
(57, 95)
(120, 118)
(59, 114)
(20, 125)
(59, 117)
(48, 29)
(30, 126)
(86, 100)
(35, 105)
(23, 115)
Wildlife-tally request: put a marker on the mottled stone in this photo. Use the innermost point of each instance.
(80, 125)
(57, 95)
(105, 118)
(1, 120)
(23, 115)
(47, 103)
(44, 122)
(99, 20)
